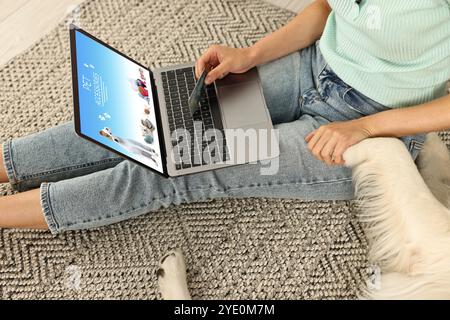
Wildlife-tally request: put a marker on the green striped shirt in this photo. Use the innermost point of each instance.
(396, 52)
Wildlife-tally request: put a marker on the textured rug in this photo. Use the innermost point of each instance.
(235, 249)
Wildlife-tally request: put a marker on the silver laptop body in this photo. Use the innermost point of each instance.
(247, 127)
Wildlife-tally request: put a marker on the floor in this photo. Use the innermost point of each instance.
(293, 5)
(32, 19)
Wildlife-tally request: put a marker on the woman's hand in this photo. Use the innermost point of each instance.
(329, 142)
(224, 60)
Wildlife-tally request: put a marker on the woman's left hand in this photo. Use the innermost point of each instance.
(329, 142)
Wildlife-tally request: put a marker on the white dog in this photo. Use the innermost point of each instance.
(405, 217)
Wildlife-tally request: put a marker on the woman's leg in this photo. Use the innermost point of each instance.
(129, 190)
(22, 210)
(59, 153)
(52, 155)
(280, 80)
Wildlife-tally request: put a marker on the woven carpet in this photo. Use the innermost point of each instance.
(235, 248)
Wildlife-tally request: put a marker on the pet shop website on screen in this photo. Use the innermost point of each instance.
(116, 103)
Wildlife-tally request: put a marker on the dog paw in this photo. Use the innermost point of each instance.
(172, 277)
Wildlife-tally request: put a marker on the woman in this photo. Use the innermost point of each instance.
(379, 70)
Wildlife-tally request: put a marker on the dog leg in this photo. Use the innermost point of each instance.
(408, 229)
(433, 163)
(387, 186)
(172, 277)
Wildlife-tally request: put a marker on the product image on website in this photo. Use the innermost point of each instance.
(116, 104)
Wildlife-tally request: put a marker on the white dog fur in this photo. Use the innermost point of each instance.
(172, 277)
(405, 217)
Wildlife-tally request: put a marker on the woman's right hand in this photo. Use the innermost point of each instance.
(224, 60)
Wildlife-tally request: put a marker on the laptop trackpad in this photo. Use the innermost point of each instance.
(242, 105)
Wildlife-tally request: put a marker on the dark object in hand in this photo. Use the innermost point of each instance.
(194, 99)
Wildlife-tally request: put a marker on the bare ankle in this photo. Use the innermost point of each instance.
(22, 211)
(3, 175)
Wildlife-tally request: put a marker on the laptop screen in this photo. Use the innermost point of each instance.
(115, 102)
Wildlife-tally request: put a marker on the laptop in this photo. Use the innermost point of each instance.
(144, 116)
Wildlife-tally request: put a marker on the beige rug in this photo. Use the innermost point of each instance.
(235, 249)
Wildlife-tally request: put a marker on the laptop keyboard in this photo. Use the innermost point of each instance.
(178, 86)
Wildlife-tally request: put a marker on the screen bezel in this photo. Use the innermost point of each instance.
(76, 101)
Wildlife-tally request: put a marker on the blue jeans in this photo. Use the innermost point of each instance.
(84, 186)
